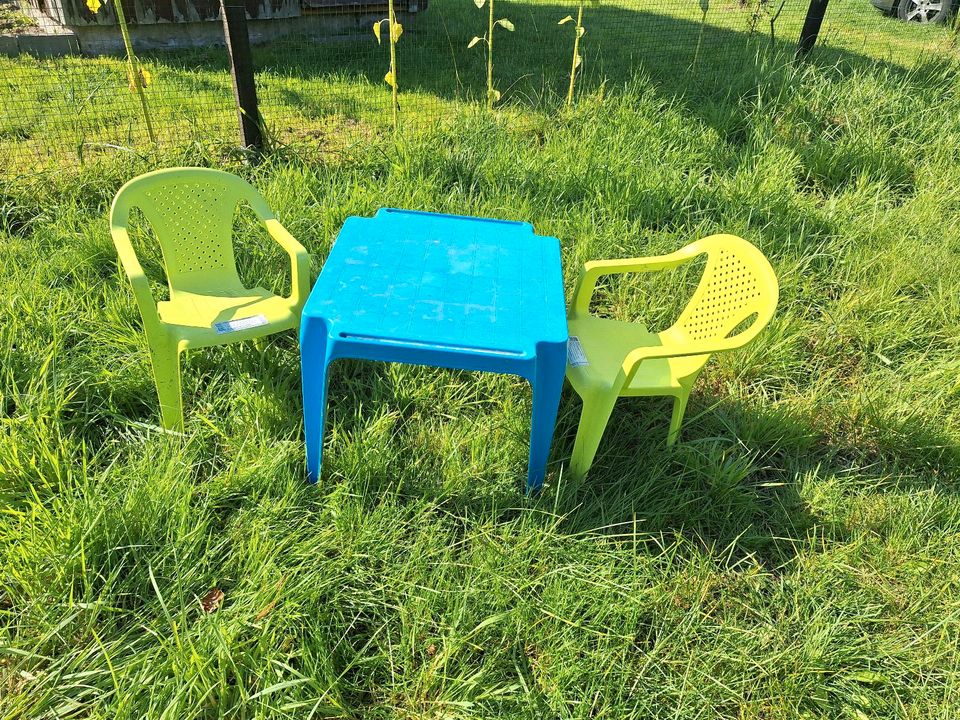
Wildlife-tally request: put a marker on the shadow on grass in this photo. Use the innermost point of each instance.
(739, 482)
(532, 64)
(305, 77)
(734, 484)
(735, 479)
(321, 90)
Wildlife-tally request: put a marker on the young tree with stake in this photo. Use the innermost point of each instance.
(138, 76)
(395, 30)
(493, 95)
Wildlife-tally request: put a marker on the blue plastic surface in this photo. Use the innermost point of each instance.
(441, 290)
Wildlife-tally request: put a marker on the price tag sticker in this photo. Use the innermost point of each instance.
(575, 354)
(230, 326)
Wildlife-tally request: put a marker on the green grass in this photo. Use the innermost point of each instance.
(795, 556)
(329, 93)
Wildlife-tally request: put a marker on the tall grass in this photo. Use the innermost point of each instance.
(328, 91)
(795, 556)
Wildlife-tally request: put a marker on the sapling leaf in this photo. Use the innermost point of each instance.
(396, 30)
(479, 3)
(376, 30)
(494, 95)
(576, 63)
(474, 41)
(145, 78)
(389, 79)
(567, 19)
(142, 78)
(704, 6)
(505, 24)
(580, 31)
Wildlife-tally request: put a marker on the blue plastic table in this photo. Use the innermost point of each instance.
(441, 290)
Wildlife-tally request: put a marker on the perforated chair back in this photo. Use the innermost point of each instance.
(191, 211)
(737, 283)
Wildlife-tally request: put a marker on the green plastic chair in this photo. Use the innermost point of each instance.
(191, 211)
(610, 359)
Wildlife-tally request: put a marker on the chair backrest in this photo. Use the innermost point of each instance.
(737, 283)
(191, 211)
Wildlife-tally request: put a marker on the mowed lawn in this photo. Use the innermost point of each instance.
(796, 555)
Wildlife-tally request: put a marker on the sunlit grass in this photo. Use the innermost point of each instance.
(328, 91)
(795, 556)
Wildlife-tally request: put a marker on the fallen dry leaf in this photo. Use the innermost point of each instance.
(212, 600)
(432, 650)
(273, 603)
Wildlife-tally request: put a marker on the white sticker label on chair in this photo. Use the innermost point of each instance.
(229, 326)
(575, 354)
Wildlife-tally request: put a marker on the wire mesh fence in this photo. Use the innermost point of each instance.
(323, 77)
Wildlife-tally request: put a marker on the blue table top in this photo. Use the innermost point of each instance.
(446, 281)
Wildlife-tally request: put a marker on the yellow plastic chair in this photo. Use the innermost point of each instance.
(191, 211)
(609, 359)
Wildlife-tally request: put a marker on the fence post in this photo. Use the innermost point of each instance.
(241, 68)
(811, 27)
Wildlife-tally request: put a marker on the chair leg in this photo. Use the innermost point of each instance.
(547, 386)
(314, 363)
(679, 408)
(593, 421)
(165, 358)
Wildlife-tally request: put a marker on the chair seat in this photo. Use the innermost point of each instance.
(606, 344)
(192, 317)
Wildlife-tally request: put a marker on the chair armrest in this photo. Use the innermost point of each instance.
(299, 259)
(593, 270)
(139, 282)
(708, 347)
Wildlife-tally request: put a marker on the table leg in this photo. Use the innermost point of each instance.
(551, 364)
(314, 362)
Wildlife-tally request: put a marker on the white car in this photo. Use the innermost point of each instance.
(922, 11)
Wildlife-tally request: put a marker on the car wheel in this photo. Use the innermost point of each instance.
(924, 11)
